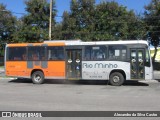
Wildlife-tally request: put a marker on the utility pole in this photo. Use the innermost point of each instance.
(50, 20)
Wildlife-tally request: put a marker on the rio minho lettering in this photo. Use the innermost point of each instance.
(99, 65)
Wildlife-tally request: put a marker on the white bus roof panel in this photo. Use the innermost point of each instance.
(79, 42)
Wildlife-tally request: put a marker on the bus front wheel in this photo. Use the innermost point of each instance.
(116, 79)
(38, 77)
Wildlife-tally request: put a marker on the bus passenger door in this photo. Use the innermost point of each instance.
(73, 64)
(137, 64)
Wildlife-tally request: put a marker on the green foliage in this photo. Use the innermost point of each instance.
(152, 20)
(7, 24)
(34, 25)
(105, 21)
(7, 27)
(80, 21)
(112, 20)
(153, 24)
(85, 20)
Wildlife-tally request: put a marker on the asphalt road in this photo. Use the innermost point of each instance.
(22, 95)
(78, 96)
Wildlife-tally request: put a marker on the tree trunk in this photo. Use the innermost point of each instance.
(155, 53)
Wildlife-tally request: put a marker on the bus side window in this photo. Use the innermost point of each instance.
(15, 53)
(24, 57)
(35, 56)
(95, 53)
(111, 54)
(55, 53)
(87, 53)
(117, 52)
(36, 53)
(17, 58)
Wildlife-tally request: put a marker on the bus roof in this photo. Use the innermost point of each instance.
(79, 42)
(36, 44)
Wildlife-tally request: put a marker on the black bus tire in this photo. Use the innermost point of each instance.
(38, 77)
(116, 79)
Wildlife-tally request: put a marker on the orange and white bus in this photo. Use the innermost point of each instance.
(115, 61)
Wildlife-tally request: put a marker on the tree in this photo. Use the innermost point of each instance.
(114, 22)
(153, 24)
(7, 26)
(69, 27)
(35, 23)
(78, 23)
(104, 21)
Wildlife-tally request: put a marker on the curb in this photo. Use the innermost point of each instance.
(7, 78)
(149, 81)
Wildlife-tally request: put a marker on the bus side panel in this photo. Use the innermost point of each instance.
(100, 70)
(56, 69)
(148, 73)
(16, 68)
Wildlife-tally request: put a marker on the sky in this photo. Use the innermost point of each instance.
(17, 7)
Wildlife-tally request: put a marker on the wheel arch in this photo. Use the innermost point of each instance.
(34, 70)
(120, 71)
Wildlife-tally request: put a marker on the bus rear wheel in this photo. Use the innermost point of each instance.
(116, 79)
(38, 77)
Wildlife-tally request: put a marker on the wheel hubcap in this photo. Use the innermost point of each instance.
(116, 79)
(37, 78)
